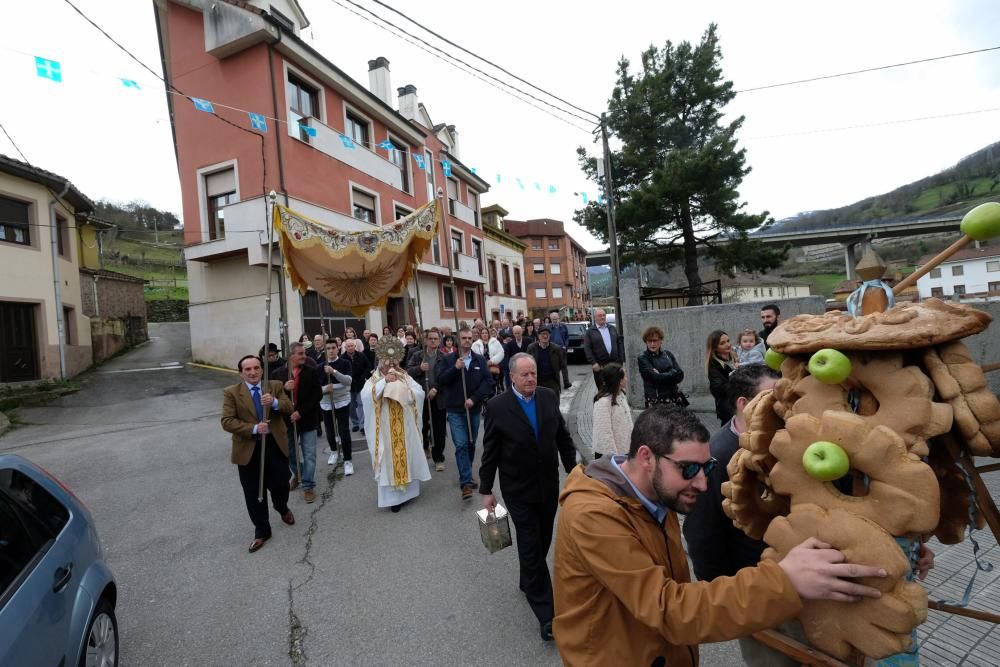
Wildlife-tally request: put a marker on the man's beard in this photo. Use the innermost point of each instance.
(769, 325)
(663, 497)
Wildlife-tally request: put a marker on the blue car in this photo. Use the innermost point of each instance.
(57, 595)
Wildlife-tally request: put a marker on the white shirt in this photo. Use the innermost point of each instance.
(606, 335)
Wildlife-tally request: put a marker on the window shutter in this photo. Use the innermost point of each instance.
(364, 200)
(221, 182)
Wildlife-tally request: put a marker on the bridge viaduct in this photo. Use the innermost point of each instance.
(849, 236)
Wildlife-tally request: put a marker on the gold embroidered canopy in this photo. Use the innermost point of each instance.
(357, 270)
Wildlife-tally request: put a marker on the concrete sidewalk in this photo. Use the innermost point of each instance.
(944, 639)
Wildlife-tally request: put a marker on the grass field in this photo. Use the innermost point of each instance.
(164, 282)
(823, 284)
(934, 197)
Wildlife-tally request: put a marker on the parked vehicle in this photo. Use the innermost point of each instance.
(574, 350)
(57, 595)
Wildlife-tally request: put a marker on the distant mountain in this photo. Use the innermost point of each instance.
(975, 179)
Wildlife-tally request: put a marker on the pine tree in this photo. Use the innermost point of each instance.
(679, 168)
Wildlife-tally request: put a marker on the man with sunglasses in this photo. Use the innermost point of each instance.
(622, 590)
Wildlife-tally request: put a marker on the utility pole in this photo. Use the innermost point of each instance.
(609, 203)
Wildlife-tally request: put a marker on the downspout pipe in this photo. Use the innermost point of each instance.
(57, 279)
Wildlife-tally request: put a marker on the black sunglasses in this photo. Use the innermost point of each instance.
(689, 469)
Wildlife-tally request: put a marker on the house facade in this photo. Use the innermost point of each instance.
(44, 333)
(555, 265)
(969, 271)
(334, 150)
(505, 290)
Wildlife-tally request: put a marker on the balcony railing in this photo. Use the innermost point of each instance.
(463, 212)
(329, 141)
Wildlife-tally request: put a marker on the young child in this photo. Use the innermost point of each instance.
(751, 348)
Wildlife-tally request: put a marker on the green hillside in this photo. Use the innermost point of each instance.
(975, 179)
(147, 245)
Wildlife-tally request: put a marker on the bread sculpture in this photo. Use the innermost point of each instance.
(853, 447)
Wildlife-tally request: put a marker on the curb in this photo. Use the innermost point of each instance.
(213, 368)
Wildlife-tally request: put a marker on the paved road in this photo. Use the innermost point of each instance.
(349, 584)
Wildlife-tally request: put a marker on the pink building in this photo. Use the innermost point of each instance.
(248, 55)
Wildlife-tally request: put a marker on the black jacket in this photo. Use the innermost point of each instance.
(429, 379)
(512, 348)
(478, 382)
(662, 384)
(593, 346)
(306, 399)
(718, 384)
(529, 467)
(361, 371)
(717, 548)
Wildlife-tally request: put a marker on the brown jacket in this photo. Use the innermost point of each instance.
(239, 417)
(623, 594)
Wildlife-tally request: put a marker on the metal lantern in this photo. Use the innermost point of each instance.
(494, 528)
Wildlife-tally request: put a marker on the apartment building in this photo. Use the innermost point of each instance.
(347, 155)
(555, 265)
(969, 271)
(505, 290)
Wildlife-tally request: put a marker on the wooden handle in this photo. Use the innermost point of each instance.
(931, 265)
(991, 367)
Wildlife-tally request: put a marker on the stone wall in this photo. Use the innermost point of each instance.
(167, 310)
(116, 306)
(688, 328)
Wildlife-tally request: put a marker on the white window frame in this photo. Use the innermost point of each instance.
(451, 232)
(559, 295)
(536, 244)
(994, 263)
(960, 268)
(320, 97)
(445, 287)
(469, 192)
(371, 125)
(534, 268)
(540, 293)
(466, 291)
(371, 193)
(201, 175)
(555, 268)
(399, 205)
(481, 256)
(429, 168)
(553, 244)
(934, 273)
(436, 250)
(408, 161)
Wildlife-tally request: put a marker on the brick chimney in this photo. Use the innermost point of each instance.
(378, 79)
(408, 101)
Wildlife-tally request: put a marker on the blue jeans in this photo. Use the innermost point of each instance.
(465, 447)
(357, 413)
(307, 439)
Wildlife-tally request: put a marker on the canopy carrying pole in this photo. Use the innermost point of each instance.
(267, 333)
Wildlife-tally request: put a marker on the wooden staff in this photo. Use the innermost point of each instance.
(267, 335)
(420, 329)
(454, 293)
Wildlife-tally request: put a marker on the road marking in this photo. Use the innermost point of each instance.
(213, 368)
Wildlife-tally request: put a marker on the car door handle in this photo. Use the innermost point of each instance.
(63, 575)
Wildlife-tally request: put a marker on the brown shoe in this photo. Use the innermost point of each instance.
(474, 484)
(293, 483)
(467, 492)
(288, 518)
(309, 495)
(257, 544)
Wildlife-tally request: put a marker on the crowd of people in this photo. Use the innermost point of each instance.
(620, 590)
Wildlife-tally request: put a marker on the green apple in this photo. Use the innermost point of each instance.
(983, 222)
(826, 461)
(774, 359)
(830, 366)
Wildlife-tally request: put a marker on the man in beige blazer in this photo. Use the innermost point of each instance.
(250, 413)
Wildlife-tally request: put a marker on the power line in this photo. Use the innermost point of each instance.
(171, 88)
(879, 124)
(14, 144)
(448, 58)
(866, 70)
(479, 57)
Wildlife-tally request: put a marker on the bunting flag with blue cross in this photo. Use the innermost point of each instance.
(203, 105)
(131, 83)
(48, 69)
(258, 122)
(386, 144)
(446, 168)
(419, 159)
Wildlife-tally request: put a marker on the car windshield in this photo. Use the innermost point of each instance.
(575, 328)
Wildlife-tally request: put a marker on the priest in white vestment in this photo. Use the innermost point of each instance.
(393, 405)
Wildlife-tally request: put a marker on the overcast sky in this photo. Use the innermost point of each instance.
(114, 142)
